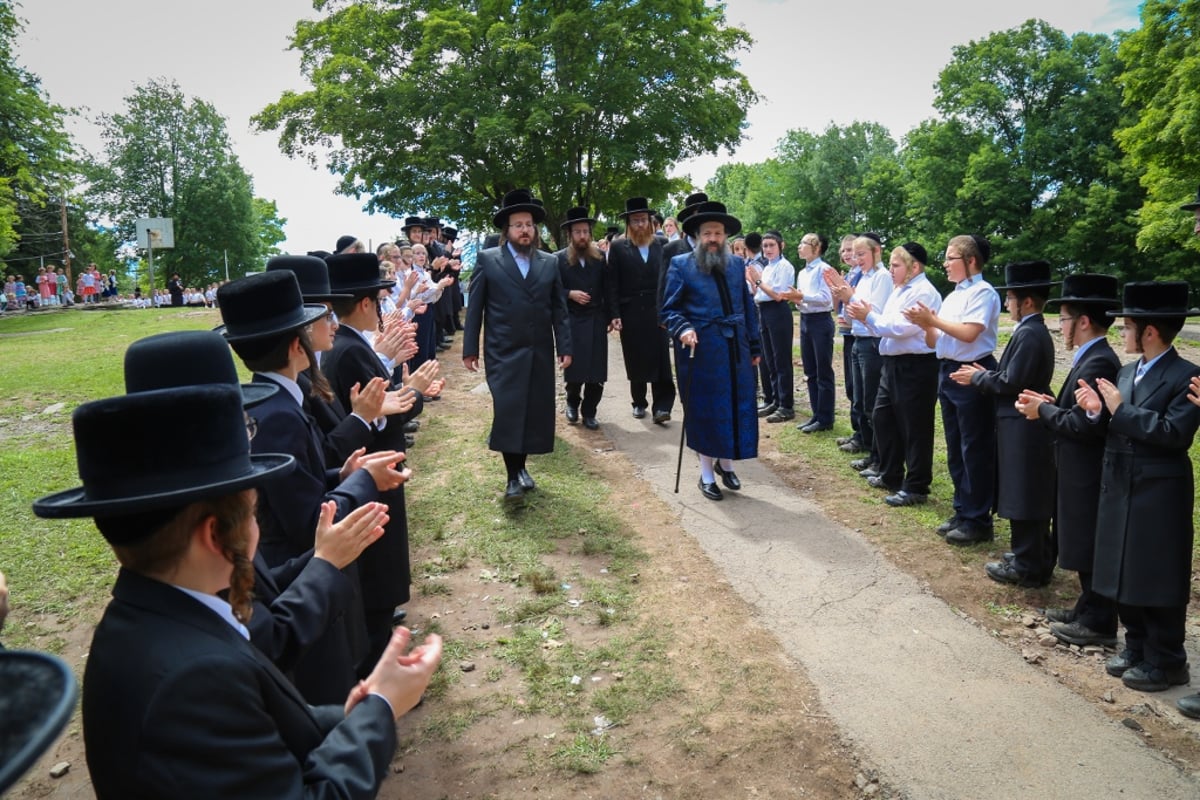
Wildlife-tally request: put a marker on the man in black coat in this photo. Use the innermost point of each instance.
(517, 293)
(1025, 466)
(385, 570)
(581, 265)
(635, 264)
(1079, 452)
(1144, 519)
(176, 700)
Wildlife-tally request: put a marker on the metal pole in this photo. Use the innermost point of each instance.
(684, 401)
(226, 265)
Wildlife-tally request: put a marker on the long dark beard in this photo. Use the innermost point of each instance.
(588, 251)
(710, 261)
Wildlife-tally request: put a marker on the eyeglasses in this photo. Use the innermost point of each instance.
(1064, 318)
(522, 226)
(948, 259)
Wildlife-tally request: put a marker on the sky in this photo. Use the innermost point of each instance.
(234, 54)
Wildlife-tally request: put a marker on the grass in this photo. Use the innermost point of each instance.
(57, 569)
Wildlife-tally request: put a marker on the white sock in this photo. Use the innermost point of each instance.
(727, 464)
(706, 469)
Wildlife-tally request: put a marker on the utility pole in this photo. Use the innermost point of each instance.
(66, 236)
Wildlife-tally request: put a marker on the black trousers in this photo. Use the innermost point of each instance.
(1032, 547)
(1092, 610)
(816, 354)
(969, 425)
(903, 419)
(778, 329)
(590, 399)
(1155, 632)
(866, 367)
(848, 373)
(662, 394)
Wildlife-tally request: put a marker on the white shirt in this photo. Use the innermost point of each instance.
(973, 300)
(219, 607)
(779, 275)
(288, 385)
(875, 287)
(811, 281)
(901, 337)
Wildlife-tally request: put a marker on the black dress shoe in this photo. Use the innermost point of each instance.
(1076, 633)
(767, 409)
(871, 471)
(572, 415)
(903, 498)
(877, 482)
(1145, 678)
(526, 480)
(639, 412)
(1189, 706)
(1003, 572)
(662, 417)
(860, 463)
(852, 446)
(970, 535)
(815, 427)
(711, 490)
(591, 424)
(728, 477)
(843, 440)
(398, 617)
(1122, 662)
(412, 426)
(1063, 615)
(409, 441)
(948, 525)
(514, 491)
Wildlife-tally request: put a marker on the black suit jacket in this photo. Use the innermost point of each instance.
(1078, 454)
(177, 704)
(288, 507)
(342, 432)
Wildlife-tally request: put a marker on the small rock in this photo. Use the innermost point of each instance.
(1031, 656)
(484, 626)
(467, 666)
(1093, 650)
(1047, 640)
(1029, 622)
(1132, 724)
(54, 408)
(870, 790)
(397, 768)
(1108, 697)
(1041, 630)
(60, 769)
(861, 781)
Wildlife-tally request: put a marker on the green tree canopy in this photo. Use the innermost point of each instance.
(446, 105)
(1161, 84)
(169, 156)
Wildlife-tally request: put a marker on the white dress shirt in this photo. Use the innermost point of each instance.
(901, 337)
(973, 300)
(874, 288)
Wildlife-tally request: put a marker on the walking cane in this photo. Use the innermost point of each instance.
(683, 422)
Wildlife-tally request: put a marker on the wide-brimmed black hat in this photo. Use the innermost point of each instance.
(577, 214)
(1155, 299)
(262, 305)
(636, 205)
(432, 222)
(356, 274)
(187, 358)
(1027, 275)
(711, 211)
(1192, 206)
(515, 201)
(450, 233)
(311, 273)
(413, 222)
(690, 205)
(1090, 289)
(123, 475)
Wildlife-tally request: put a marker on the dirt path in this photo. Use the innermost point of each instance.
(941, 707)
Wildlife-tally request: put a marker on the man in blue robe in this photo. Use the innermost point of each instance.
(707, 309)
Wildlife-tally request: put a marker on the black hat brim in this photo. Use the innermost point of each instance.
(323, 298)
(1142, 313)
(567, 222)
(733, 226)
(310, 313)
(1192, 206)
(255, 393)
(501, 217)
(628, 214)
(74, 502)
(1038, 285)
(1102, 302)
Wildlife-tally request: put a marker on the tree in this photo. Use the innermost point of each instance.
(445, 106)
(169, 156)
(1161, 83)
(1042, 108)
(270, 226)
(35, 150)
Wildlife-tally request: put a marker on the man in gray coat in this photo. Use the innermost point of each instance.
(517, 291)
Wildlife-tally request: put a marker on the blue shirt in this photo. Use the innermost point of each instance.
(976, 301)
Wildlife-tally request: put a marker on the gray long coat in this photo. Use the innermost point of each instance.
(1144, 526)
(522, 320)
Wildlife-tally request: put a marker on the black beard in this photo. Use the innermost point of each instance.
(710, 261)
(523, 249)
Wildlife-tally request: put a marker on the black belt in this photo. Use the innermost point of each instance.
(963, 363)
(816, 313)
(913, 355)
(875, 338)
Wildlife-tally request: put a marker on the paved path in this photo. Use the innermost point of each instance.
(938, 705)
